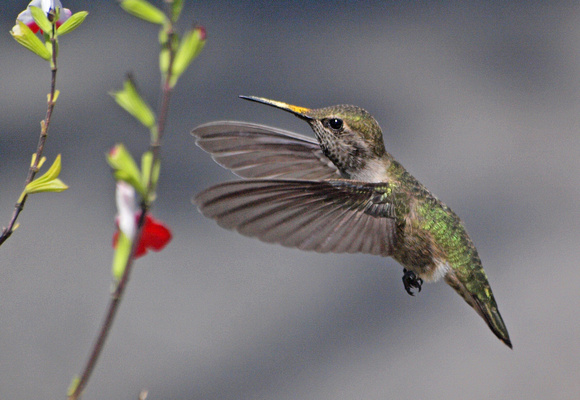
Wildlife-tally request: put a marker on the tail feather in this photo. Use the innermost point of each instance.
(486, 307)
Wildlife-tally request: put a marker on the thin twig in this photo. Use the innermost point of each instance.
(112, 309)
(155, 146)
(117, 295)
(32, 171)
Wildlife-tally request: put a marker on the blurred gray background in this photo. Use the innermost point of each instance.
(479, 100)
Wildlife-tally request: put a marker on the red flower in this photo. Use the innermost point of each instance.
(155, 236)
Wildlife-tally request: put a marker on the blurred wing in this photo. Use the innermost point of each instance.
(338, 216)
(258, 151)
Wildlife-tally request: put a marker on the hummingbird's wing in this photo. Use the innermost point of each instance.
(258, 151)
(338, 216)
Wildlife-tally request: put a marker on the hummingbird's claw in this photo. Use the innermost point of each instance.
(411, 281)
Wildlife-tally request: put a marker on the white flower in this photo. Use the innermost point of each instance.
(127, 208)
(47, 6)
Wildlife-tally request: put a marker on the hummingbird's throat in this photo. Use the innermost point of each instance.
(350, 156)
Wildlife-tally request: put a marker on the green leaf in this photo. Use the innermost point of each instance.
(124, 167)
(121, 175)
(130, 100)
(146, 164)
(164, 60)
(53, 171)
(176, 7)
(146, 161)
(55, 185)
(55, 97)
(191, 45)
(51, 174)
(72, 23)
(40, 18)
(23, 35)
(42, 160)
(122, 253)
(48, 182)
(73, 385)
(165, 47)
(144, 10)
(154, 134)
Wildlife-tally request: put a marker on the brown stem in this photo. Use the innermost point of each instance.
(155, 145)
(7, 232)
(116, 297)
(112, 309)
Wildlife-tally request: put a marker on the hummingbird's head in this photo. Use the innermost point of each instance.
(348, 135)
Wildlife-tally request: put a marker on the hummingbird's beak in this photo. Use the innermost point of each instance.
(300, 112)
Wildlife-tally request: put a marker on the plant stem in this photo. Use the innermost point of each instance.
(117, 295)
(112, 309)
(33, 170)
(155, 145)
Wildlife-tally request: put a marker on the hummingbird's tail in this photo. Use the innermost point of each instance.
(484, 305)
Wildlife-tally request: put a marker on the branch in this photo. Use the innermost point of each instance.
(33, 170)
(155, 147)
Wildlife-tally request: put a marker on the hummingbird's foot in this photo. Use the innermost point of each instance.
(411, 281)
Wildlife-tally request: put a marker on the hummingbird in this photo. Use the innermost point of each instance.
(342, 193)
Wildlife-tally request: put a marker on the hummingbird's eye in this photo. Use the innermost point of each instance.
(334, 123)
